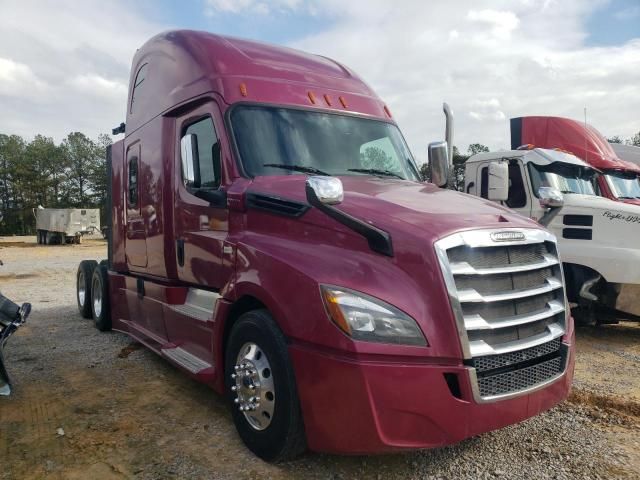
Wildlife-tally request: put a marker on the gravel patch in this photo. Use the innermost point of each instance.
(126, 413)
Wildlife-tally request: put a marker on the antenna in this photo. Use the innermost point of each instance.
(586, 154)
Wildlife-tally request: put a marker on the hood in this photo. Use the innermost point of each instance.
(399, 205)
(592, 202)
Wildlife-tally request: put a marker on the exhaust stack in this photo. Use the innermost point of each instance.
(448, 131)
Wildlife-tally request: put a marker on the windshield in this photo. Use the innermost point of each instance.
(281, 141)
(623, 186)
(564, 177)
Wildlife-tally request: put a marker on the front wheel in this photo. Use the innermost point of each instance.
(262, 390)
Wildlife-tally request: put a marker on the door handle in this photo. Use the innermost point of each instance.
(180, 251)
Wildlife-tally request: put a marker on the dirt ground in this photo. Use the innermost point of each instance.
(91, 405)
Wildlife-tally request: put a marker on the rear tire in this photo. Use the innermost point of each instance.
(272, 428)
(100, 305)
(83, 286)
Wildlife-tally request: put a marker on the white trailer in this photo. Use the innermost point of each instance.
(630, 153)
(65, 225)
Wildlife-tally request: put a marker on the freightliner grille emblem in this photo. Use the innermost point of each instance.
(507, 236)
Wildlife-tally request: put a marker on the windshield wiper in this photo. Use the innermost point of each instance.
(297, 168)
(375, 171)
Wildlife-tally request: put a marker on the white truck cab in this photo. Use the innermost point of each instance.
(597, 237)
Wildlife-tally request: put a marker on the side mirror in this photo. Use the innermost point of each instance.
(439, 163)
(328, 190)
(190, 161)
(550, 197)
(498, 181)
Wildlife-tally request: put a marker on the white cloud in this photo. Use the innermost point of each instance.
(629, 13)
(18, 79)
(502, 23)
(248, 7)
(505, 59)
(64, 66)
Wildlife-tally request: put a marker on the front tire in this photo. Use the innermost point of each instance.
(261, 388)
(83, 286)
(100, 305)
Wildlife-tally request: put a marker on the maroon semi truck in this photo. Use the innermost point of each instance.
(271, 236)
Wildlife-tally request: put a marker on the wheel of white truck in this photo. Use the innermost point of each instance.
(100, 306)
(83, 286)
(262, 390)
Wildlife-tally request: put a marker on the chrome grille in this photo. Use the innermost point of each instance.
(509, 303)
(520, 379)
(491, 362)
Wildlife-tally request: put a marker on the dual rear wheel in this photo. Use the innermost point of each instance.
(92, 293)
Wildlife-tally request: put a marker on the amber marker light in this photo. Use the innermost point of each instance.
(333, 307)
(343, 102)
(312, 97)
(386, 110)
(243, 90)
(327, 99)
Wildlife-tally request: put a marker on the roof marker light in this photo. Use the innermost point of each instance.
(528, 146)
(312, 97)
(243, 89)
(343, 102)
(386, 110)
(327, 99)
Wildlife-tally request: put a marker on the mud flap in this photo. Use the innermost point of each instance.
(629, 299)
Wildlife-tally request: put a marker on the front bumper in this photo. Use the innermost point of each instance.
(354, 406)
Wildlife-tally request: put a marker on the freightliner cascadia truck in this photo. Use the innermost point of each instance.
(617, 179)
(270, 236)
(597, 237)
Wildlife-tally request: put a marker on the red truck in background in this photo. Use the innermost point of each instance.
(271, 236)
(619, 179)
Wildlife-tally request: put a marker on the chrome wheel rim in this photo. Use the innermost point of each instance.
(82, 293)
(253, 386)
(97, 299)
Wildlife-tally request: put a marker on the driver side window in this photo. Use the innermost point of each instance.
(206, 155)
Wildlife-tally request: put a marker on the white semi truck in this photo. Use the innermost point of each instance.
(597, 237)
(65, 225)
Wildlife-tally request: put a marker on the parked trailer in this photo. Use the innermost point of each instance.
(629, 153)
(65, 225)
(270, 236)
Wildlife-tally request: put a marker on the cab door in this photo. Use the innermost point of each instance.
(201, 214)
(519, 192)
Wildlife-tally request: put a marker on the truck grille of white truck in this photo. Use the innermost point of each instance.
(507, 293)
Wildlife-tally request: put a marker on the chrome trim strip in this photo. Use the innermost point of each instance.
(475, 388)
(185, 359)
(480, 348)
(463, 268)
(477, 322)
(472, 296)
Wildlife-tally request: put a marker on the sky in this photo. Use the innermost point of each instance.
(64, 65)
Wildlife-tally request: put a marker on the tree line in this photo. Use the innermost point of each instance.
(69, 174)
(72, 174)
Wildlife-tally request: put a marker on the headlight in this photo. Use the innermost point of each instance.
(366, 318)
